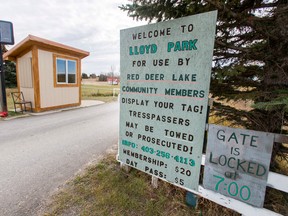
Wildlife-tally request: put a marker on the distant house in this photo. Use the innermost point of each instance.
(113, 80)
(93, 76)
(48, 73)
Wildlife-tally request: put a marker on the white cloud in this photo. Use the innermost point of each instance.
(90, 25)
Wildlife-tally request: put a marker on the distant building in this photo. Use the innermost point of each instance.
(113, 81)
(48, 73)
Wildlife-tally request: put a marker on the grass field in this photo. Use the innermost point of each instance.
(100, 92)
(96, 91)
(10, 105)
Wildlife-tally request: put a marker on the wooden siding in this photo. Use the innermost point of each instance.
(25, 77)
(51, 96)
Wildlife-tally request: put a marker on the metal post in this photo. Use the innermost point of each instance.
(3, 100)
(6, 37)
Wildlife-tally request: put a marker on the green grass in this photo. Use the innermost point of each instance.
(99, 92)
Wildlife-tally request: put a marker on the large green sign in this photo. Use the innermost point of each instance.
(165, 77)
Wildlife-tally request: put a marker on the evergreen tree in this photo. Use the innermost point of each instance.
(10, 74)
(103, 77)
(10, 71)
(250, 56)
(84, 76)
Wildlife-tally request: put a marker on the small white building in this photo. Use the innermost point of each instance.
(48, 73)
(112, 80)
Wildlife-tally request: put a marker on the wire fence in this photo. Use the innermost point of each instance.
(106, 92)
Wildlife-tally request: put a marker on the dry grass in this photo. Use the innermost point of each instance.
(99, 91)
(105, 189)
(10, 105)
(210, 208)
(275, 200)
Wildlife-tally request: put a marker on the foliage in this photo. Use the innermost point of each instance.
(10, 104)
(10, 74)
(84, 76)
(99, 92)
(104, 189)
(93, 76)
(10, 71)
(250, 55)
(103, 77)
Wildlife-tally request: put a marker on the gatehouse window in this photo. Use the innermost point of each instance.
(65, 71)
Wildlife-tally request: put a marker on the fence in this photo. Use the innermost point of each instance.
(275, 180)
(106, 92)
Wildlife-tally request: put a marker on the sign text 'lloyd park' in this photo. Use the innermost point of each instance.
(165, 77)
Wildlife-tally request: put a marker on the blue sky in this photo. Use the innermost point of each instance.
(90, 25)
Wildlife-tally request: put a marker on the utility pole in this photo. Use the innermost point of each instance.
(6, 37)
(112, 71)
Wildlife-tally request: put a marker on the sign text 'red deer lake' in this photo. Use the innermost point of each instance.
(165, 77)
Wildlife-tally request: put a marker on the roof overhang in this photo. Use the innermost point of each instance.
(30, 41)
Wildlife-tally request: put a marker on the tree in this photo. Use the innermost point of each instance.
(84, 76)
(250, 56)
(10, 71)
(93, 76)
(3, 48)
(103, 77)
(10, 74)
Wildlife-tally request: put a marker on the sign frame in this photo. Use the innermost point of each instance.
(6, 33)
(165, 78)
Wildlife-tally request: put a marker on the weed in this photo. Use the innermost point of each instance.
(105, 189)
